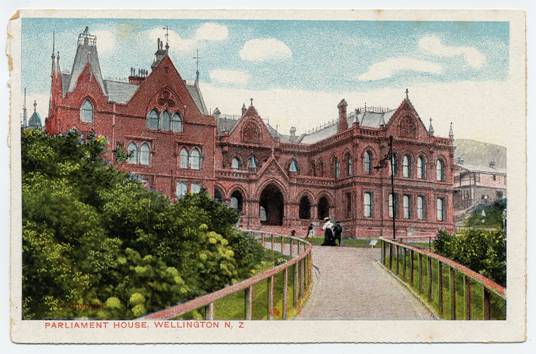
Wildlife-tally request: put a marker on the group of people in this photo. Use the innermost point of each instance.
(332, 232)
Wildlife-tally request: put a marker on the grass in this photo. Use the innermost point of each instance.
(498, 305)
(346, 242)
(232, 307)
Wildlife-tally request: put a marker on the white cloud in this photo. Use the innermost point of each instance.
(471, 106)
(432, 44)
(207, 32)
(265, 49)
(389, 67)
(229, 76)
(105, 41)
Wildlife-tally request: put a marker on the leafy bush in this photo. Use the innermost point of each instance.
(96, 244)
(483, 251)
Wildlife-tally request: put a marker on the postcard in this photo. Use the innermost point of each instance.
(241, 176)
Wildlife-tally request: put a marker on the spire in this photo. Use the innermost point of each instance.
(35, 106)
(167, 37)
(431, 128)
(244, 109)
(197, 57)
(451, 132)
(53, 69)
(24, 111)
(407, 94)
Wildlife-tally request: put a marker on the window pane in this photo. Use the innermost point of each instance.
(391, 205)
(440, 209)
(235, 163)
(252, 162)
(405, 166)
(420, 207)
(367, 163)
(337, 168)
(420, 167)
(407, 210)
(349, 165)
(145, 152)
(165, 121)
(182, 189)
(132, 151)
(153, 120)
(196, 188)
(293, 166)
(367, 204)
(176, 123)
(440, 170)
(183, 158)
(394, 164)
(195, 159)
(86, 112)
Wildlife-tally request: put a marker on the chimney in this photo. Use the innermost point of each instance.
(343, 119)
(292, 134)
(244, 109)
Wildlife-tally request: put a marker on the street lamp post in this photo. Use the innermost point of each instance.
(382, 164)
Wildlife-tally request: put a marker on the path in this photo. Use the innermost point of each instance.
(350, 284)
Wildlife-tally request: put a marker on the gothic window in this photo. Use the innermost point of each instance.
(195, 159)
(406, 166)
(252, 162)
(132, 151)
(367, 204)
(421, 167)
(181, 189)
(183, 158)
(196, 188)
(440, 209)
(165, 121)
(393, 206)
(293, 167)
(176, 123)
(421, 214)
(86, 112)
(406, 204)
(153, 120)
(336, 167)
(235, 163)
(367, 162)
(349, 164)
(145, 154)
(440, 170)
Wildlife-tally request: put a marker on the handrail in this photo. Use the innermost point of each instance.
(488, 285)
(302, 263)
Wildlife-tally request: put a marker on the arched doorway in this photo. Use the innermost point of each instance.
(237, 201)
(323, 208)
(271, 206)
(305, 208)
(218, 195)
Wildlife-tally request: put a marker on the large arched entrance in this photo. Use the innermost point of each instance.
(271, 206)
(323, 208)
(305, 208)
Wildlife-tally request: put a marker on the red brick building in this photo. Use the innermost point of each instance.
(277, 181)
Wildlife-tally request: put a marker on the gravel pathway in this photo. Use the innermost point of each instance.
(349, 284)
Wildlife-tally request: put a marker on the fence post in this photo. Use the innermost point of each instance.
(440, 287)
(296, 285)
(452, 276)
(383, 251)
(285, 293)
(302, 278)
(209, 311)
(390, 256)
(272, 242)
(411, 272)
(291, 246)
(397, 259)
(467, 293)
(430, 278)
(249, 303)
(271, 298)
(420, 272)
(282, 245)
(404, 263)
(487, 303)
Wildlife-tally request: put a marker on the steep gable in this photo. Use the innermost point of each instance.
(406, 123)
(250, 129)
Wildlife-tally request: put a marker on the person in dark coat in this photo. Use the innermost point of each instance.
(310, 231)
(337, 233)
(328, 233)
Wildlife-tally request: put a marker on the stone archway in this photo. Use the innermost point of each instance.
(271, 205)
(305, 208)
(323, 207)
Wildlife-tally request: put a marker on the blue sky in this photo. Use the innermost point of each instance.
(310, 64)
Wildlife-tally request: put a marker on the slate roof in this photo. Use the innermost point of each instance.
(195, 92)
(35, 121)
(120, 92)
(85, 53)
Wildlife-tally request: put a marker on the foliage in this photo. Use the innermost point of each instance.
(493, 215)
(96, 244)
(483, 251)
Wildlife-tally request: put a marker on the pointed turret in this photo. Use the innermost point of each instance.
(35, 119)
(451, 132)
(86, 54)
(430, 128)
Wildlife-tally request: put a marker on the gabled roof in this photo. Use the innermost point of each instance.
(195, 92)
(35, 121)
(85, 53)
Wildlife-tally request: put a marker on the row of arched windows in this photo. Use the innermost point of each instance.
(139, 154)
(421, 167)
(164, 121)
(190, 159)
(407, 206)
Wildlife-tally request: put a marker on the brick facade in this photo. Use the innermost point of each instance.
(325, 171)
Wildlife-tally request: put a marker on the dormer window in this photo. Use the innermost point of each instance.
(86, 112)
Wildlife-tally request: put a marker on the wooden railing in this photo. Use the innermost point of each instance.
(300, 263)
(451, 289)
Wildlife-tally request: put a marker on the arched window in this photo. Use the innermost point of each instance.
(235, 163)
(181, 189)
(183, 158)
(406, 166)
(394, 164)
(252, 162)
(421, 208)
(218, 195)
(236, 201)
(293, 167)
(367, 163)
(166, 119)
(421, 167)
(132, 151)
(367, 204)
(349, 165)
(153, 120)
(176, 123)
(145, 154)
(336, 167)
(86, 112)
(305, 208)
(440, 209)
(393, 206)
(406, 204)
(440, 170)
(195, 159)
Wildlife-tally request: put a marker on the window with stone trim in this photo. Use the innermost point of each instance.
(421, 167)
(349, 164)
(176, 123)
(421, 208)
(145, 154)
(440, 170)
(183, 158)
(195, 159)
(367, 162)
(132, 151)
(393, 206)
(252, 162)
(440, 209)
(406, 204)
(406, 166)
(367, 204)
(195, 188)
(181, 189)
(153, 120)
(293, 166)
(236, 164)
(166, 121)
(86, 112)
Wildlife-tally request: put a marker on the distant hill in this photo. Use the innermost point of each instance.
(478, 153)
